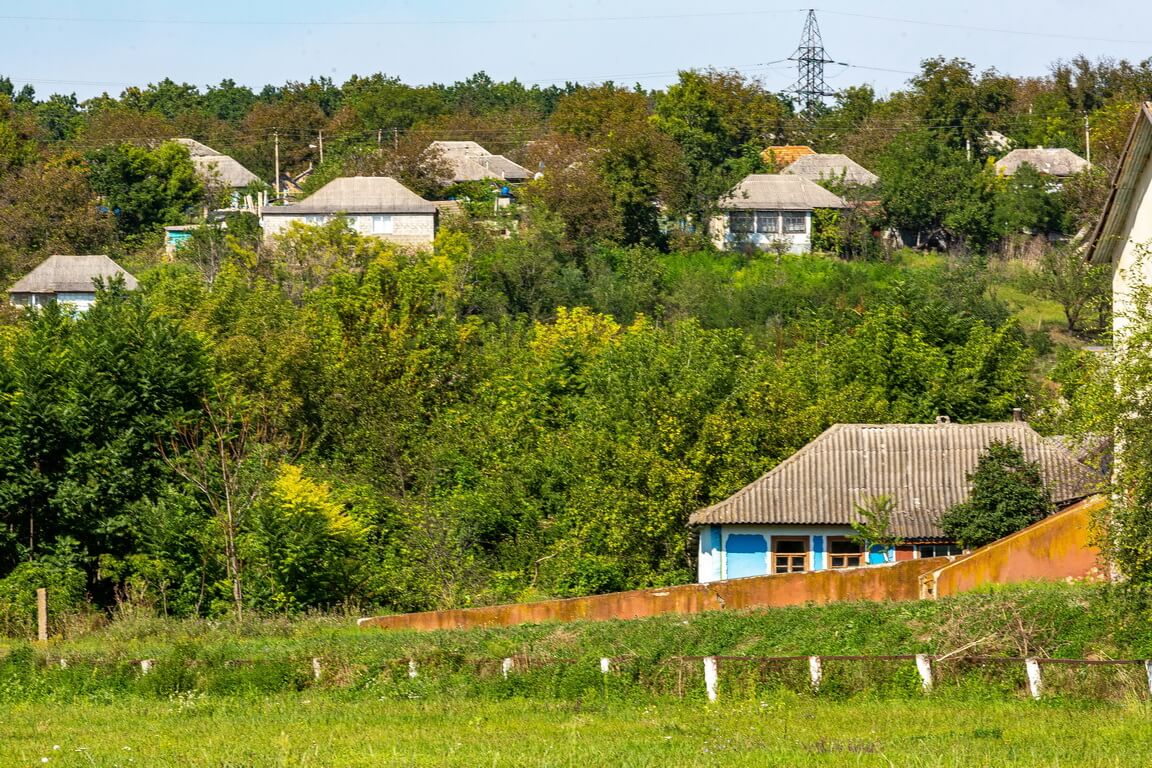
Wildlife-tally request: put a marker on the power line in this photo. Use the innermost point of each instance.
(810, 58)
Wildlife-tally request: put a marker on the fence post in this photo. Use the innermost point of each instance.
(412, 669)
(316, 668)
(605, 665)
(42, 613)
(506, 667)
(63, 663)
(1035, 683)
(711, 676)
(815, 672)
(146, 665)
(924, 667)
(1148, 671)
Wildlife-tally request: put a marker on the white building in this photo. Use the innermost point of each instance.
(766, 210)
(377, 206)
(68, 280)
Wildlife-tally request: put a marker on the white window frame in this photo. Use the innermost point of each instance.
(383, 224)
(790, 219)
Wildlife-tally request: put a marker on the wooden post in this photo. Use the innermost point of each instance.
(1035, 683)
(41, 614)
(924, 667)
(711, 676)
(815, 672)
(316, 668)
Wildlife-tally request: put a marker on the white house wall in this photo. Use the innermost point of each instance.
(1134, 266)
(798, 242)
(408, 228)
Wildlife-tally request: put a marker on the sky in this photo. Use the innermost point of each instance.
(87, 47)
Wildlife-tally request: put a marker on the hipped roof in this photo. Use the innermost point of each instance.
(71, 274)
(1123, 197)
(356, 194)
(767, 191)
(924, 468)
(1054, 161)
(471, 162)
(831, 167)
(215, 167)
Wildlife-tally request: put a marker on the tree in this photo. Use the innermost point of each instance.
(1007, 493)
(874, 527)
(1079, 286)
(147, 188)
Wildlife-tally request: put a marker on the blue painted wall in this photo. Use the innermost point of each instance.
(747, 555)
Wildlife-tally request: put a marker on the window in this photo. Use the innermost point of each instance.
(844, 553)
(938, 550)
(789, 554)
(315, 221)
(382, 225)
(795, 222)
(740, 221)
(767, 222)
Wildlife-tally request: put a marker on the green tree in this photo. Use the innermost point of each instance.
(147, 188)
(1006, 494)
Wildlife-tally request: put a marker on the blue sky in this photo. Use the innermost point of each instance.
(87, 47)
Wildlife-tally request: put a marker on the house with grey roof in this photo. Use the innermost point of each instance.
(68, 280)
(471, 162)
(376, 206)
(767, 210)
(831, 167)
(798, 516)
(217, 168)
(1050, 161)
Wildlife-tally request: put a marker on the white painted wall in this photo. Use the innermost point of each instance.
(799, 242)
(407, 228)
(1134, 267)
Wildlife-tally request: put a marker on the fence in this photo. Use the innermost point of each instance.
(718, 677)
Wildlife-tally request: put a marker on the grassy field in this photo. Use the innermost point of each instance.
(333, 731)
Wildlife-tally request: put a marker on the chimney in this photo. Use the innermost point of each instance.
(942, 419)
(1017, 414)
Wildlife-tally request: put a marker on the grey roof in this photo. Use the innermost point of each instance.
(1129, 183)
(216, 167)
(71, 274)
(1054, 161)
(769, 191)
(356, 194)
(471, 162)
(923, 467)
(833, 168)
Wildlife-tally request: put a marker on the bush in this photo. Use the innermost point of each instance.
(18, 595)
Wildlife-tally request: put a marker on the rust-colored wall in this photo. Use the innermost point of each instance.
(900, 581)
(1053, 549)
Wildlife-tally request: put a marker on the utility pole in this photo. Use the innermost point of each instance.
(810, 58)
(321, 146)
(1087, 140)
(276, 154)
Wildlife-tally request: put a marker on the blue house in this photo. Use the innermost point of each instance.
(798, 517)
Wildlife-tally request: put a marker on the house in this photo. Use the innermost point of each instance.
(784, 155)
(770, 210)
(1052, 161)
(1123, 238)
(841, 168)
(471, 162)
(799, 515)
(217, 169)
(67, 279)
(377, 206)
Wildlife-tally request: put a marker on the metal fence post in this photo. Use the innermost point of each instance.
(815, 672)
(1035, 683)
(924, 667)
(711, 676)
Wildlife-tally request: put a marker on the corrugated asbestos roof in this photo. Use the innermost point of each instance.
(1116, 219)
(215, 167)
(769, 191)
(471, 162)
(1054, 161)
(832, 168)
(923, 467)
(71, 274)
(356, 194)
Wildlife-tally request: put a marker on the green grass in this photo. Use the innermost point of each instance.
(334, 731)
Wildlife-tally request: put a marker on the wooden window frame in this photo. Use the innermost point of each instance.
(806, 541)
(863, 553)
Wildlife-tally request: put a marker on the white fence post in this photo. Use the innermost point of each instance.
(146, 665)
(924, 667)
(316, 668)
(1148, 671)
(506, 667)
(711, 676)
(63, 663)
(815, 672)
(605, 665)
(412, 668)
(1035, 683)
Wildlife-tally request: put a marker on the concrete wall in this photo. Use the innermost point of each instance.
(1054, 549)
(899, 581)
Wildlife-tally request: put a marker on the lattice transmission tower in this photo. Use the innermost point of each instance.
(810, 58)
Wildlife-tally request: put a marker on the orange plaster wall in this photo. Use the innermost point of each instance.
(900, 581)
(1053, 549)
